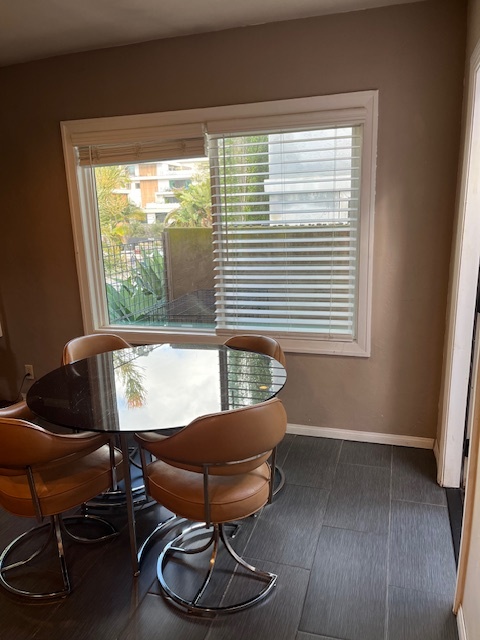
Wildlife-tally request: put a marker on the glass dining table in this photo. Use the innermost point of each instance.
(152, 388)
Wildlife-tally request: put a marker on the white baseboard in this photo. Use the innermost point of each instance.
(462, 630)
(361, 436)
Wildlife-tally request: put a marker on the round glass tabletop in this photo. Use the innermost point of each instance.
(154, 387)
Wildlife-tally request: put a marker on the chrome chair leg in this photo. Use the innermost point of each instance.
(133, 451)
(211, 565)
(275, 470)
(61, 553)
(281, 474)
(159, 530)
(193, 605)
(55, 529)
(56, 526)
(35, 554)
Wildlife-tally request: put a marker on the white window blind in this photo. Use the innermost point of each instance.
(286, 210)
(133, 152)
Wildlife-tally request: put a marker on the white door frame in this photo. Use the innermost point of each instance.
(463, 289)
(466, 594)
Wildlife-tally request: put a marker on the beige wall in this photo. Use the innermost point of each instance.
(413, 54)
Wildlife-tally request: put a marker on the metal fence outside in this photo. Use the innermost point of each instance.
(137, 291)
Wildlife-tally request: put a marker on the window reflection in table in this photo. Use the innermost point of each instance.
(154, 387)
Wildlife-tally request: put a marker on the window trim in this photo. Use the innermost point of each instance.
(360, 107)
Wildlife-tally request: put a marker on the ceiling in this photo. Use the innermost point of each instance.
(35, 29)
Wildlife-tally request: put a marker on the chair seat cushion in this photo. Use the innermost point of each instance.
(60, 486)
(232, 497)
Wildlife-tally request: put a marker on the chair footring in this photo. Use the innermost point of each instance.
(193, 605)
(160, 529)
(56, 526)
(86, 519)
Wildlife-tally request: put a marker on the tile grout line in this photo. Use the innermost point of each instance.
(426, 504)
(288, 450)
(417, 590)
(369, 466)
(318, 541)
(337, 462)
(330, 489)
(44, 622)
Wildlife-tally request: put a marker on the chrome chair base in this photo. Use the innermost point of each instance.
(160, 530)
(116, 497)
(57, 526)
(193, 605)
(279, 479)
(278, 476)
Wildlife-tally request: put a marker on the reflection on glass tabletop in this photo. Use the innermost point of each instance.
(154, 387)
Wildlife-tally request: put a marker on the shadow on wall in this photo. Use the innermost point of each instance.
(7, 362)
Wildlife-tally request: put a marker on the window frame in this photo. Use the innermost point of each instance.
(358, 107)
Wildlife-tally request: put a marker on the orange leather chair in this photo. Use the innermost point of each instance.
(91, 345)
(43, 474)
(17, 410)
(258, 344)
(20, 410)
(85, 347)
(269, 347)
(214, 471)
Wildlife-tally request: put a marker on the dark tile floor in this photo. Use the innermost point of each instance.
(359, 538)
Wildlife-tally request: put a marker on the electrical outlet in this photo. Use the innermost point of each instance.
(29, 371)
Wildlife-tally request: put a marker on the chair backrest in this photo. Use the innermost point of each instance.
(221, 439)
(259, 344)
(23, 444)
(17, 410)
(92, 345)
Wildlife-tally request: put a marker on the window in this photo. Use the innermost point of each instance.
(252, 218)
